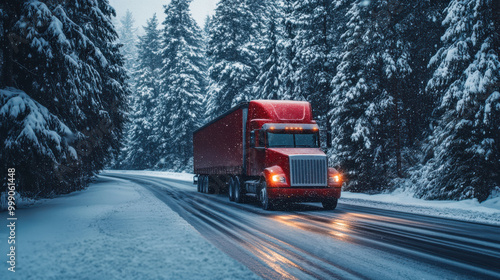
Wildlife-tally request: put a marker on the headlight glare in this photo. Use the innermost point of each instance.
(278, 178)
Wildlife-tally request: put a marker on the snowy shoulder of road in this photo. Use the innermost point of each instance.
(187, 177)
(112, 230)
(470, 210)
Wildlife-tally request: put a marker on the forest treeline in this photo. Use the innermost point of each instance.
(408, 89)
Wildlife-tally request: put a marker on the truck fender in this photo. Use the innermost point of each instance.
(271, 171)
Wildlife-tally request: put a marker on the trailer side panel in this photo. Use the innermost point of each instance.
(218, 147)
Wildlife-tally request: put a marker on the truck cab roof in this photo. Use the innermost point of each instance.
(281, 111)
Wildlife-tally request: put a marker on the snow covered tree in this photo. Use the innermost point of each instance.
(141, 150)
(286, 47)
(104, 121)
(206, 28)
(127, 37)
(183, 77)
(373, 93)
(64, 93)
(260, 12)
(233, 56)
(313, 44)
(267, 82)
(422, 30)
(465, 144)
(356, 110)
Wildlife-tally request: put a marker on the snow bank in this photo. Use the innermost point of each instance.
(188, 177)
(470, 210)
(112, 230)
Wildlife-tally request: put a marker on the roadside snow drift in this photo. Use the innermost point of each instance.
(112, 230)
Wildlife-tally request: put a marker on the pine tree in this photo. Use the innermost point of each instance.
(465, 143)
(141, 150)
(206, 27)
(352, 122)
(373, 94)
(267, 82)
(233, 56)
(313, 45)
(64, 108)
(259, 13)
(104, 120)
(127, 35)
(286, 47)
(183, 85)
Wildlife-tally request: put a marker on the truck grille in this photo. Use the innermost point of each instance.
(307, 170)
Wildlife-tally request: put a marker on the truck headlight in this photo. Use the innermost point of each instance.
(278, 178)
(334, 179)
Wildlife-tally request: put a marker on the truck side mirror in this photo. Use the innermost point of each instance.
(328, 139)
(262, 138)
(252, 139)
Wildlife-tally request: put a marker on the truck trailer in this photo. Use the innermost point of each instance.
(266, 149)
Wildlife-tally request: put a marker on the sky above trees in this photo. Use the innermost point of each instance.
(143, 10)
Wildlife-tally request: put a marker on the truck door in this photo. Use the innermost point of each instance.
(257, 153)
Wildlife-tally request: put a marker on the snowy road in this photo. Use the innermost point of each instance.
(352, 242)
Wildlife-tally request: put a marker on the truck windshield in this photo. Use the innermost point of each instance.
(288, 140)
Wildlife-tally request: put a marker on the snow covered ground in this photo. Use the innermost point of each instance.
(112, 230)
(470, 210)
(116, 230)
(188, 177)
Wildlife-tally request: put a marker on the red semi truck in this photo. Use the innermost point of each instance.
(267, 149)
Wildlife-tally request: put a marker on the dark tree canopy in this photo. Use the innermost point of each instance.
(64, 93)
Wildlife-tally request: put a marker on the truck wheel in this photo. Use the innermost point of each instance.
(267, 204)
(199, 183)
(330, 204)
(205, 184)
(231, 189)
(238, 193)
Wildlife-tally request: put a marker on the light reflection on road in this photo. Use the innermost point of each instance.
(337, 229)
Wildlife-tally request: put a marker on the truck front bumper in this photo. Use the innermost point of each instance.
(303, 194)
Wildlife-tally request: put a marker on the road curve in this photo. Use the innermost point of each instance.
(351, 242)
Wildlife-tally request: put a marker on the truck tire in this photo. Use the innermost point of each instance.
(205, 184)
(231, 189)
(199, 183)
(239, 195)
(267, 203)
(330, 204)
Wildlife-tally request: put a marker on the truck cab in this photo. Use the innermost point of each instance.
(280, 152)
